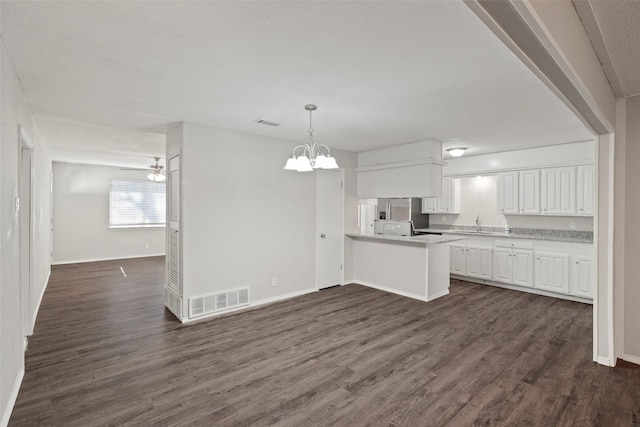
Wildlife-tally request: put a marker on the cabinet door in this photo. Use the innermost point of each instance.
(450, 200)
(552, 272)
(508, 193)
(429, 205)
(559, 191)
(456, 259)
(478, 262)
(582, 276)
(502, 265)
(522, 267)
(529, 197)
(586, 189)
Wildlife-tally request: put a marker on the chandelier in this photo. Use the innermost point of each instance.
(311, 155)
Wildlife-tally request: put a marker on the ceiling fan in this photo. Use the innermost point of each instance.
(156, 171)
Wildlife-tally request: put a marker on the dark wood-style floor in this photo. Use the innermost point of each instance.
(105, 352)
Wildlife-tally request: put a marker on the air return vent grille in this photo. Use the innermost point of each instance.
(219, 301)
(266, 122)
(173, 302)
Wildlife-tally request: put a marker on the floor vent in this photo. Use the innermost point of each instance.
(173, 302)
(206, 304)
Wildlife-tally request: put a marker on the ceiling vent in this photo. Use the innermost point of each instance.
(266, 122)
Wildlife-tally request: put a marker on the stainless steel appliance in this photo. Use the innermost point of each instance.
(400, 216)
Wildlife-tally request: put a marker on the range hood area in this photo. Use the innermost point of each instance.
(409, 170)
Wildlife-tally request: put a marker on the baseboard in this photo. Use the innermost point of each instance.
(44, 288)
(631, 359)
(252, 305)
(78, 261)
(13, 396)
(605, 361)
(438, 295)
(390, 290)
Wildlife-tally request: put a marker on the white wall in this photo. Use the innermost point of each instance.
(246, 220)
(632, 231)
(14, 111)
(81, 217)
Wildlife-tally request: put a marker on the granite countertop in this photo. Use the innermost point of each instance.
(425, 239)
(569, 236)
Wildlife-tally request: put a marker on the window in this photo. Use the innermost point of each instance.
(137, 204)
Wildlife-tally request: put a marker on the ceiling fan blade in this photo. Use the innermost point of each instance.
(134, 169)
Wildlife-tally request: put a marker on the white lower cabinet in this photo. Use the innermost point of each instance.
(478, 261)
(514, 266)
(582, 276)
(552, 272)
(457, 254)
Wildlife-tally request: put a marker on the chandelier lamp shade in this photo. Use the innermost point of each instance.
(310, 156)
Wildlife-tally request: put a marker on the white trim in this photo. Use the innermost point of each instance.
(604, 361)
(44, 288)
(438, 294)
(13, 396)
(390, 290)
(428, 161)
(78, 261)
(251, 305)
(632, 359)
(24, 137)
(488, 172)
(610, 241)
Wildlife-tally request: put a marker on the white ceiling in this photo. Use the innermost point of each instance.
(106, 79)
(614, 28)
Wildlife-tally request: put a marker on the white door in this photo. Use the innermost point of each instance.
(502, 265)
(530, 192)
(478, 261)
(552, 272)
(586, 190)
(23, 208)
(456, 259)
(330, 236)
(523, 267)
(508, 192)
(582, 276)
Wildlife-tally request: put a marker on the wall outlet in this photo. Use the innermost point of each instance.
(146, 246)
(274, 281)
(572, 225)
(444, 218)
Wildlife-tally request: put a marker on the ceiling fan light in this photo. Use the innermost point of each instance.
(292, 164)
(160, 178)
(457, 151)
(304, 165)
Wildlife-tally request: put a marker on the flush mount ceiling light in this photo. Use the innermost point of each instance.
(311, 155)
(457, 151)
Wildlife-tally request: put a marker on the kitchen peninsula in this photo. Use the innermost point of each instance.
(412, 266)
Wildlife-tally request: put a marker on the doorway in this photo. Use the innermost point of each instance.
(25, 220)
(329, 228)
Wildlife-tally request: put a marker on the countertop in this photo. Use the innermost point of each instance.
(531, 234)
(425, 239)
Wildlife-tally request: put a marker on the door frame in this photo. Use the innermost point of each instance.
(25, 147)
(342, 192)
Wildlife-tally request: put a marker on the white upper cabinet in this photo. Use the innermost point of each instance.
(508, 192)
(559, 191)
(449, 202)
(586, 190)
(529, 195)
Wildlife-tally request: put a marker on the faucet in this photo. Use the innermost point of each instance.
(477, 223)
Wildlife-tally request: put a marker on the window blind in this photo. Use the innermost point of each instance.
(137, 203)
